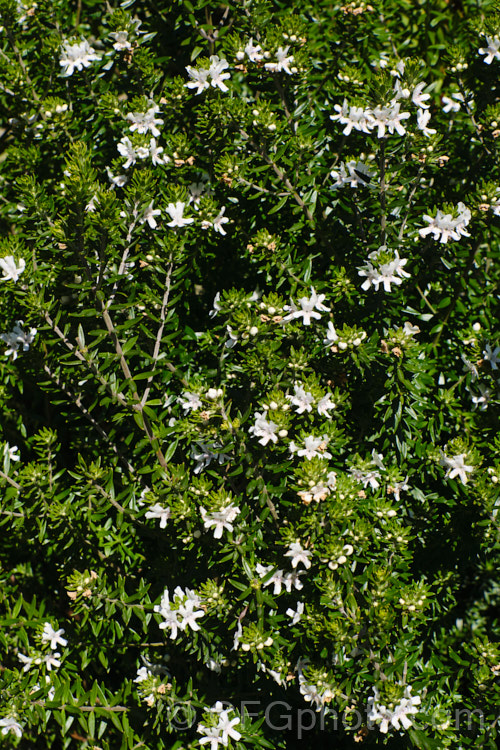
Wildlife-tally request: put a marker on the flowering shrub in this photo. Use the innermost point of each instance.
(250, 374)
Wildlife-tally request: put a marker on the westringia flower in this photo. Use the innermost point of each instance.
(396, 716)
(296, 615)
(149, 215)
(77, 56)
(158, 511)
(142, 122)
(220, 519)
(383, 269)
(313, 446)
(492, 356)
(492, 49)
(9, 724)
(456, 467)
(453, 103)
(203, 78)
(121, 43)
(182, 612)
(283, 62)
(11, 271)
(53, 637)
(299, 555)
(308, 308)
(302, 399)
(446, 226)
(264, 429)
(18, 338)
(190, 401)
(176, 213)
(353, 173)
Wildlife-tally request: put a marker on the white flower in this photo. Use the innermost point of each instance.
(253, 51)
(410, 330)
(78, 55)
(190, 401)
(54, 637)
(155, 152)
(308, 308)
(299, 555)
(142, 122)
(52, 660)
(384, 716)
(10, 269)
(9, 724)
(314, 446)
(199, 79)
(353, 173)
(126, 149)
(12, 452)
(219, 220)
(457, 467)
(353, 117)
(158, 511)
(264, 429)
(296, 615)
(226, 727)
(212, 735)
(221, 519)
(215, 71)
(143, 673)
(423, 118)
(388, 273)
(491, 50)
(26, 660)
(121, 42)
(492, 356)
(149, 215)
(445, 226)
(16, 338)
(302, 399)
(452, 104)
(276, 579)
(183, 607)
(388, 117)
(483, 398)
(204, 455)
(418, 98)
(282, 62)
(176, 213)
(293, 579)
(325, 405)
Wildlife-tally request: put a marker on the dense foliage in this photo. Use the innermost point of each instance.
(249, 374)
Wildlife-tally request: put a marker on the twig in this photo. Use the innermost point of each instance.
(10, 481)
(159, 335)
(383, 214)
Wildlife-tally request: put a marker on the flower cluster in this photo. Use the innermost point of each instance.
(220, 519)
(18, 338)
(383, 267)
(183, 611)
(397, 716)
(447, 226)
(223, 730)
(77, 56)
(214, 75)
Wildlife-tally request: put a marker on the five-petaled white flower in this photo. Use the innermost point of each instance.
(9, 724)
(158, 511)
(11, 271)
(456, 467)
(54, 637)
(492, 356)
(176, 213)
(309, 307)
(299, 555)
(221, 519)
(492, 50)
(149, 215)
(77, 56)
(296, 615)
